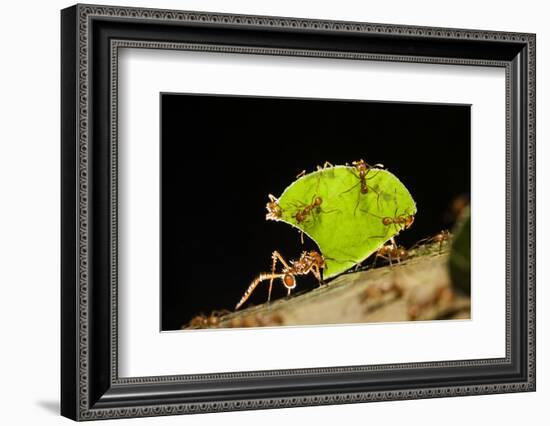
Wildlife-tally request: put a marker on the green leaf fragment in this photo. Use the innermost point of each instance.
(347, 224)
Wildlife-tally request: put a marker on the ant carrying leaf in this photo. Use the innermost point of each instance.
(310, 204)
(361, 171)
(309, 262)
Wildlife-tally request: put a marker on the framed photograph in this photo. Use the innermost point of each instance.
(263, 212)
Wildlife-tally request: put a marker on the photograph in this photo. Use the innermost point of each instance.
(281, 211)
(265, 209)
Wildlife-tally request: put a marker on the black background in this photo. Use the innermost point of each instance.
(222, 155)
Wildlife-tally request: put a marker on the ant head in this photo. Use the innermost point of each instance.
(289, 281)
(409, 221)
(317, 201)
(387, 221)
(359, 164)
(274, 211)
(317, 258)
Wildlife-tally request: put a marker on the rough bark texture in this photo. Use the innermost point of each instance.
(416, 289)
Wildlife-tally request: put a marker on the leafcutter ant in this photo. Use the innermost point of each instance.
(207, 321)
(305, 212)
(441, 237)
(361, 171)
(309, 261)
(274, 211)
(401, 221)
(391, 252)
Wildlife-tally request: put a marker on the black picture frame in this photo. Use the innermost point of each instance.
(90, 38)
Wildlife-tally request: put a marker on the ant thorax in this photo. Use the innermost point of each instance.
(306, 261)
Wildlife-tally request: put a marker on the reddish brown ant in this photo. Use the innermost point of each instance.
(440, 238)
(274, 211)
(401, 221)
(204, 321)
(304, 213)
(309, 261)
(361, 170)
(308, 211)
(391, 252)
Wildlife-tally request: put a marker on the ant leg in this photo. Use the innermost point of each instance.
(372, 214)
(326, 165)
(280, 258)
(263, 277)
(421, 242)
(377, 195)
(317, 274)
(273, 264)
(302, 173)
(330, 211)
(388, 258)
(357, 203)
(377, 167)
(354, 186)
(302, 237)
(254, 284)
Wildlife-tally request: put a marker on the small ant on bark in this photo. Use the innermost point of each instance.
(441, 237)
(309, 261)
(391, 252)
(207, 321)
